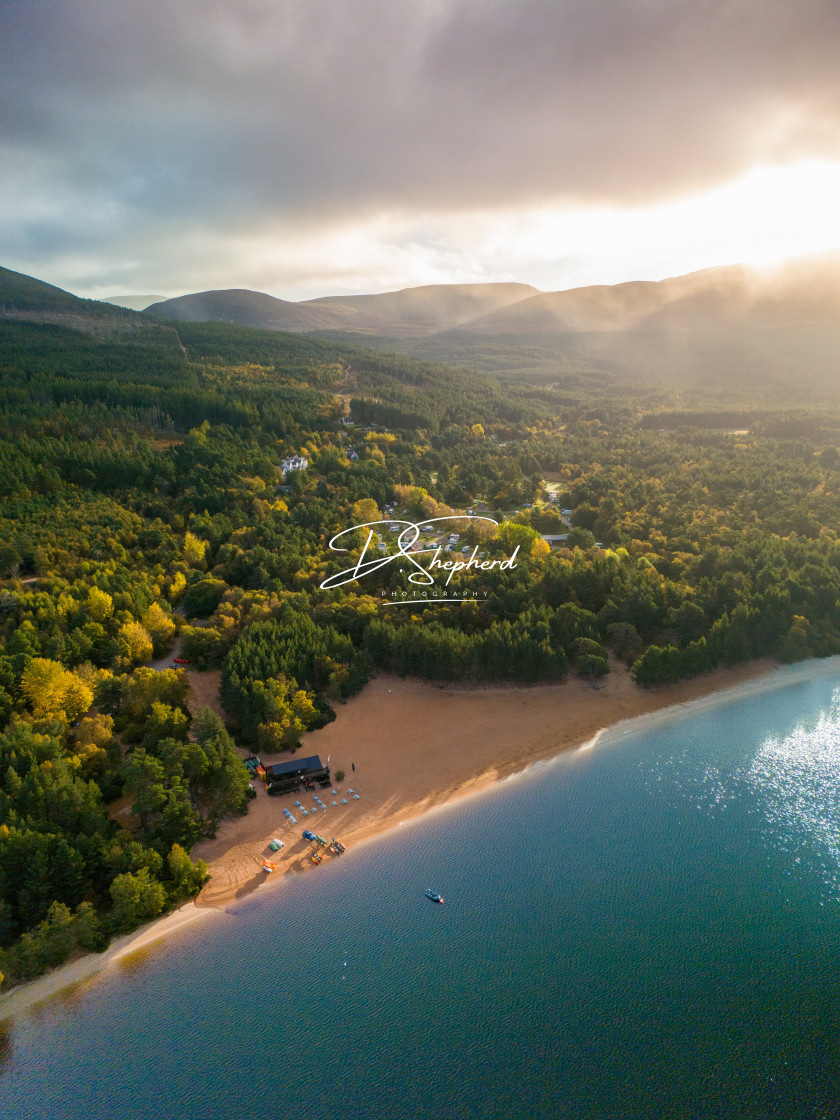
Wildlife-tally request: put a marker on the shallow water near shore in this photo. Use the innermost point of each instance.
(646, 929)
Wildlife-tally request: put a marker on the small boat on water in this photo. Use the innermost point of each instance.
(434, 897)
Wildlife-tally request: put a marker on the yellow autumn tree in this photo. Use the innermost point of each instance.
(100, 605)
(177, 585)
(53, 690)
(365, 510)
(292, 712)
(159, 624)
(92, 737)
(96, 730)
(375, 454)
(539, 550)
(135, 645)
(194, 550)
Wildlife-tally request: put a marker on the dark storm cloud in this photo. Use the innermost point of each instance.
(190, 113)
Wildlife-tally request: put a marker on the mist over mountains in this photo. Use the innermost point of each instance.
(801, 293)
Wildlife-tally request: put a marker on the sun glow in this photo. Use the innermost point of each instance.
(770, 215)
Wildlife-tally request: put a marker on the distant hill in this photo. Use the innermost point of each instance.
(29, 300)
(602, 307)
(20, 293)
(134, 303)
(247, 309)
(805, 292)
(420, 311)
(412, 311)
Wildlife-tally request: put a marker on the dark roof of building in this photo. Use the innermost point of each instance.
(295, 766)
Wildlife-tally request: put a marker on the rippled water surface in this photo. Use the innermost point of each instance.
(650, 929)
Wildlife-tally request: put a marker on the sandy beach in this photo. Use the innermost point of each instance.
(407, 746)
(416, 745)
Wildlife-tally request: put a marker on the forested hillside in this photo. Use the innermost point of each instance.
(143, 498)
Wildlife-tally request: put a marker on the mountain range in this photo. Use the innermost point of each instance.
(411, 312)
(711, 330)
(802, 293)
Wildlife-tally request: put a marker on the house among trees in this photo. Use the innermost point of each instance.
(294, 463)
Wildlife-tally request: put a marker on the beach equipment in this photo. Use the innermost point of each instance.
(267, 865)
(344, 801)
(307, 835)
(275, 844)
(355, 797)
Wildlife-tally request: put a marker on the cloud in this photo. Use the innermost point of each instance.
(129, 127)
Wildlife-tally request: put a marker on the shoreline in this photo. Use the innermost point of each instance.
(66, 980)
(418, 746)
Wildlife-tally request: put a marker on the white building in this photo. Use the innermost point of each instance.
(294, 463)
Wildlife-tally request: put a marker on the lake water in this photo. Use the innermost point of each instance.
(649, 929)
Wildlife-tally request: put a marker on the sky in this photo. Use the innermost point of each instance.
(318, 147)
